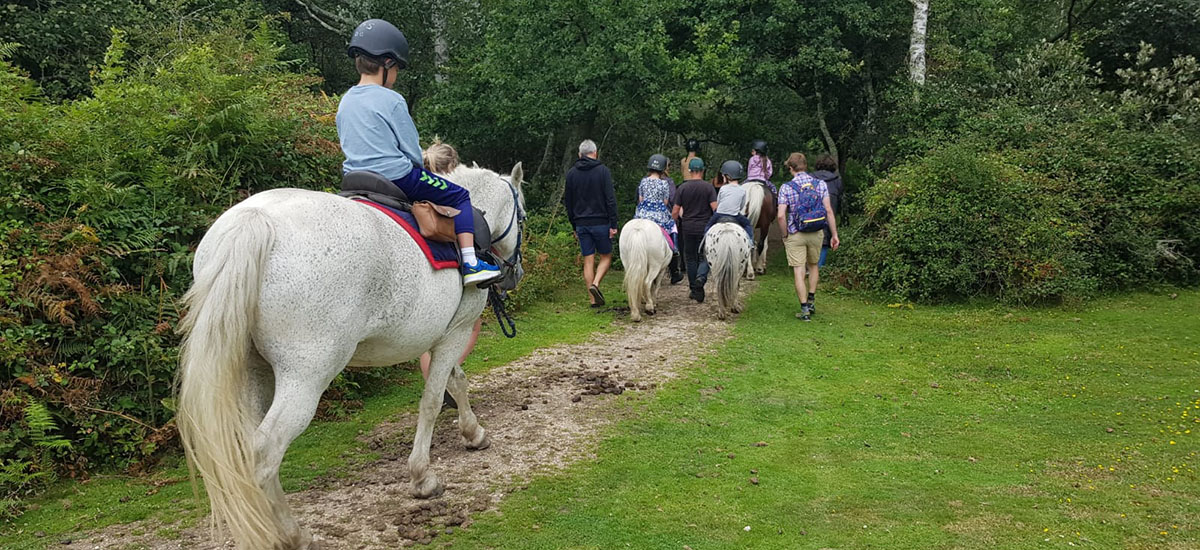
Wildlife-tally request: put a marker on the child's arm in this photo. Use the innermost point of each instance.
(406, 134)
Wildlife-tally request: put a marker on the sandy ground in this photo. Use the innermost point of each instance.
(543, 412)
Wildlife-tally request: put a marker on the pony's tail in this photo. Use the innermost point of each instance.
(636, 259)
(214, 427)
(726, 267)
(754, 200)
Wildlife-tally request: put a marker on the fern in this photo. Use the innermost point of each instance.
(7, 49)
(40, 423)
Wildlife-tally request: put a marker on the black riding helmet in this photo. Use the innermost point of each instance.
(378, 38)
(733, 169)
(692, 145)
(658, 163)
(760, 146)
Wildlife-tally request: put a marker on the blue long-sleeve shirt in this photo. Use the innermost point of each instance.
(377, 133)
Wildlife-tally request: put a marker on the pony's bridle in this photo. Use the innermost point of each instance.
(517, 220)
(498, 291)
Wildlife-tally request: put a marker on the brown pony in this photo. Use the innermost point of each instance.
(761, 209)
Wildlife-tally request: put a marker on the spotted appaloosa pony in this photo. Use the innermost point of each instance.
(291, 286)
(727, 248)
(760, 208)
(645, 254)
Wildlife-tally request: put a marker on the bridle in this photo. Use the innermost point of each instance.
(517, 220)
(497, 294)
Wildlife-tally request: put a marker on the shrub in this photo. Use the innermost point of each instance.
(102, 201)
(1051, 189)
(961, 223)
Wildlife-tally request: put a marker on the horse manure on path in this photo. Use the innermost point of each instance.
(542, 412)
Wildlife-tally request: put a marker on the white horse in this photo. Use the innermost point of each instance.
(727, 248)
(757, 200)
(645, 255)
(290, 287)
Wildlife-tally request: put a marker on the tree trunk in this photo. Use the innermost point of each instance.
(916, 48)
(441, 48)
(829, 143)
(545, 156)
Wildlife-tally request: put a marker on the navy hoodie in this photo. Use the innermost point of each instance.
(834, 183)
(589, 196)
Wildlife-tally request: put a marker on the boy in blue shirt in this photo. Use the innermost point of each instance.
(377, 134)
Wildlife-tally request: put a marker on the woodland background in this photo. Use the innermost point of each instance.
(1030, 151)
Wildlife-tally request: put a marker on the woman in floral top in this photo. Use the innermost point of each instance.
(654, 197)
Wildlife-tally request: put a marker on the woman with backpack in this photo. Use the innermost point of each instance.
(804, 213)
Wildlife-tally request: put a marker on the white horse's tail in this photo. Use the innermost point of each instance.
(755, 191)
(726, 248)
(635, 242)
(212, 414)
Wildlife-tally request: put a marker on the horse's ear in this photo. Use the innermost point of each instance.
(518, 175)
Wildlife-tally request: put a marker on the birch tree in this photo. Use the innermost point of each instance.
(916, 48)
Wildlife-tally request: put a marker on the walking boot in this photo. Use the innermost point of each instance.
(676, 270)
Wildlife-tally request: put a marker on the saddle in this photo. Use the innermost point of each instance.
(726, 218)
(372, 186)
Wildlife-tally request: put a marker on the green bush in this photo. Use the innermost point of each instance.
(103, 200)
(962, 223)
(1049, 188)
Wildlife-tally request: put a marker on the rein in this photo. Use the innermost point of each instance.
(497, 298)
(496, 295)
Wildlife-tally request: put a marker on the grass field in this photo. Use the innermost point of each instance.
(887, 426)
(875, 426)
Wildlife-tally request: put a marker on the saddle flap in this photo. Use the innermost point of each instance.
(367, 182)
(483, 233)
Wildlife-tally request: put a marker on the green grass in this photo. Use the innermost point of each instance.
(890, 427)
(325, 449)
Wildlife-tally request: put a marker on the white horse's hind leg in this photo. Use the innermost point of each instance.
(473, 434)
(294, 403)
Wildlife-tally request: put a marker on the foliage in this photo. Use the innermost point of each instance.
(1049, 188)
(103, 199)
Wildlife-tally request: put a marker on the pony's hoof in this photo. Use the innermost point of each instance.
(481, 442)
(651, 311)
(736, 308)
(430, 487)
(760, 271)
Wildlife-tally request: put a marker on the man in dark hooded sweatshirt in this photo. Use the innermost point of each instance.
(591, 206)
(827, 171)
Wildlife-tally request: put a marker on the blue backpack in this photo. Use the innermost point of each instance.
(809, 214)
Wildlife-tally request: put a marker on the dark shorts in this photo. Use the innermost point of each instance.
(593, 239)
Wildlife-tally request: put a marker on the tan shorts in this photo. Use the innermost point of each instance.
(804, 248)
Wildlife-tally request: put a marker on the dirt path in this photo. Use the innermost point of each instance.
(543, 411)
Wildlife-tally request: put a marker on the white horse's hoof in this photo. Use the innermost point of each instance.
(430, 487)
(481, 442)
(651, 311)
(737, 308)
(760, 270)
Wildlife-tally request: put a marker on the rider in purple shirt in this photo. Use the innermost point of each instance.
(759, 167)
